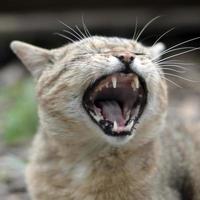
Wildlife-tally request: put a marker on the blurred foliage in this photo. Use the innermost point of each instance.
(19, 116)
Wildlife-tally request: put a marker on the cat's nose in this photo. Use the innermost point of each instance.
(126, 58)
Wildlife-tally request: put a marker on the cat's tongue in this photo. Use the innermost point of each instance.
(111, 111)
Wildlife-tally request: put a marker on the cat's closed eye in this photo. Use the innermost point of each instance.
(139, 54)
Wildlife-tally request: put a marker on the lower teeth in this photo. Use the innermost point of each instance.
(106, 124)
(129, 126)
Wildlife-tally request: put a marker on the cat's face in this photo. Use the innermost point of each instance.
(98, 87)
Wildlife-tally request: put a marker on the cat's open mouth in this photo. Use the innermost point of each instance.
(116, 102)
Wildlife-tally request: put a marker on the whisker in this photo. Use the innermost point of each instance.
(180, 53)
(176, 84)
(172, 50)
(165, 33)
(69, 27)
(175, 75)
(64, 36)
(136, 26)
(175, 62)
(174, 70)
(75, 36)
(175, 66)
(184, 42)
(84, 36)
(144, 28)
(87, 32)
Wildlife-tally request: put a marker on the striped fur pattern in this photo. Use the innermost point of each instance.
(72, 159)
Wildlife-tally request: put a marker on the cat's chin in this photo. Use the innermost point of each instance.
(115, 103)
(118, 141)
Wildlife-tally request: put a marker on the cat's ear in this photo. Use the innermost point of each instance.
(156, 50)
(34, 58)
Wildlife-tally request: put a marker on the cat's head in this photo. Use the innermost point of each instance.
(98, 87)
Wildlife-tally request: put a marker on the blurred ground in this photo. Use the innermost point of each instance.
(18, 119)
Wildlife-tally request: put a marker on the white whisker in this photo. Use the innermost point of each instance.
(144, 28)
(172, 50)
(75, 36)
(135, 31)
(87, 32)
(174, 70)
(83, 35)
(64, 36)
(165, 33)
(175, 62)
(175, 66)
(75, 32)
(184, 42)
(180, 54)
(180, 77)
(163, 77)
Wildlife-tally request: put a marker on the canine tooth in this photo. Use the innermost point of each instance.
(133, 85)
(129, 126)
(107, 85)
(128, 115)
(96, 117)
(114, 82)
(136, 82)
(115, 126)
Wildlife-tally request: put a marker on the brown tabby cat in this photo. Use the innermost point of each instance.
(103, 131)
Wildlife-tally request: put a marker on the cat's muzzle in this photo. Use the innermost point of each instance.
(116, 102)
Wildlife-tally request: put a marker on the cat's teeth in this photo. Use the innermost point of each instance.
(114, 82)
(128, 114)
(96, 117)
(107, 85)
(115, 126)
(133, 85)
(129, 126)
(136, 82)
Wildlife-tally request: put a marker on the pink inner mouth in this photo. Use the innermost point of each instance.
(116, 101)
(112, 111)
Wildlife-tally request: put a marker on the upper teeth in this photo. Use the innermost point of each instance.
(114, 82)
(136, 82)
(133, 85)
(115, 126)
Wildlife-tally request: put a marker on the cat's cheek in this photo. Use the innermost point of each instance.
(106, 67)
(113, 65)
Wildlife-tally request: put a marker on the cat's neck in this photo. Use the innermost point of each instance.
(93, 150)
(90, 163)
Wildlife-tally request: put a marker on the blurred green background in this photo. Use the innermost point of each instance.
(20, 119)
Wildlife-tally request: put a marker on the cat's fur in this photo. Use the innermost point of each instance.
(73, 160)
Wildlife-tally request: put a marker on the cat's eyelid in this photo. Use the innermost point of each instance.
(139, 54)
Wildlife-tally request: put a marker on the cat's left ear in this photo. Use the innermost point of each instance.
(34, 58)
(157, 49)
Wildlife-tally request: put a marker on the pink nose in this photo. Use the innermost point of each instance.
(126, 57)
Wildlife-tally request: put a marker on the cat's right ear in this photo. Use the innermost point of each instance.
(34, 58)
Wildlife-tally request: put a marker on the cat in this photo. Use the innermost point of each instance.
(104, 132)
